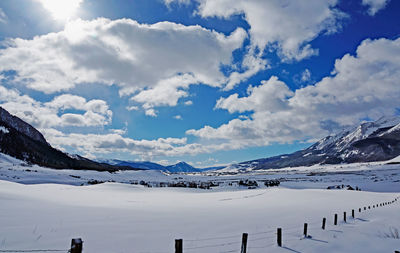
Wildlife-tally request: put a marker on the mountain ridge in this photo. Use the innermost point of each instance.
(174, 168)
(22, 141)
(21, 126)
(367, 142)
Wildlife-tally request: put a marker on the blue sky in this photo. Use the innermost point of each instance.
(203, 81)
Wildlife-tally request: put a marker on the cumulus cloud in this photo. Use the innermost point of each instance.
(166, 92)
(299, 22)
(50, 114)
(364, 85)
(252, 65)
(109, 143)
(375, 5)
(271, 95)
(149, 62)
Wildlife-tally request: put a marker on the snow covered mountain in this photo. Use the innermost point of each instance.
(134, 164)
(368, 142)
(22, 141)
(181, 167)
(176, 168)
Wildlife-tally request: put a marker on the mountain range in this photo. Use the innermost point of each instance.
(176, 168)
(368, 142)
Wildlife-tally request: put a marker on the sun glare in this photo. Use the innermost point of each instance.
(62, 10)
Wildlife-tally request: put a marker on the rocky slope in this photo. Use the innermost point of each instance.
(368, 142)
(21, 140)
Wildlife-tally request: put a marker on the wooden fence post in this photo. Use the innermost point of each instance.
(323, 223)
(335, 222)
(178, 246)
(279, 237)
(244, 243)
(76, 245)
(352, 213)
(344, 216)
(359, 210)
(305, 229)
(365, 208)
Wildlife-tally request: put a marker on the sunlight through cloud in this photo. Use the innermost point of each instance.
(62, 10)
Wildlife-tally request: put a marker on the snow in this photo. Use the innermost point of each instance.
(377, 177)
(395, 160)
(116, 217)
(4, 130)
(43, 208)
(349, 135)
(393, 129)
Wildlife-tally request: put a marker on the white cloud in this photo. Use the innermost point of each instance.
(375, 5)
(138, 58)
(299, 22)
(43, 115)
(151, 112)
(169, 2)
(179, 117)
(61, 9)
(132, 108)
(252, 65)
(49, 116)
(306, 75)
(364, 85)
(166, 92)
(118, 131)
(271, 95)
(109, 143)
(189, 102)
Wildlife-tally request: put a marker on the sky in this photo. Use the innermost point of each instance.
(208, 82)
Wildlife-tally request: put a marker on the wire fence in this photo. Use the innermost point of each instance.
(264, 239)
(229, 243)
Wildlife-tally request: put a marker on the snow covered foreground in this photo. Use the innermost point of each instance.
(114, 217)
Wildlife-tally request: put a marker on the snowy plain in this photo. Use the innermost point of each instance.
(42, 208)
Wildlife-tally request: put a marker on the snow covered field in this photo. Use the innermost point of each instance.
(115, 217)
(50, 208)
(376, 177)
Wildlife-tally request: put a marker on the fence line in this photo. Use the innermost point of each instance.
(77, 244)
(345, 216)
